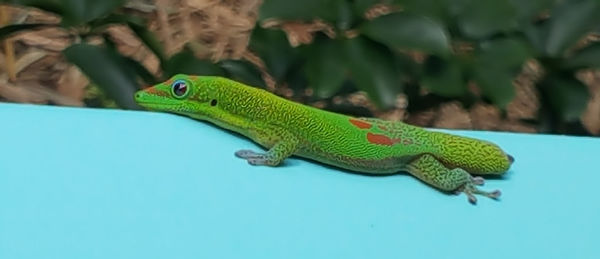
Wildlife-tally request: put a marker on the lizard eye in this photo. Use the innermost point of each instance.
(179, 88)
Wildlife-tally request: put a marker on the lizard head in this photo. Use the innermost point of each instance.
(181, 94)
(487, 158)
(495, 161)
(473, 155)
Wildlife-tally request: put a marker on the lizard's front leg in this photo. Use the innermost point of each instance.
(283, 144)
(427, 168)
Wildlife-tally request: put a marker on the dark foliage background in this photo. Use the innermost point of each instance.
(429, 52)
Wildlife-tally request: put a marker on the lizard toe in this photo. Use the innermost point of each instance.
(245, 153)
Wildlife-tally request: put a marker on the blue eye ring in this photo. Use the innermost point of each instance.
(180, 88)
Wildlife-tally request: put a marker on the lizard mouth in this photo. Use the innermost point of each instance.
(155, 105)
(174, 108)
(511, 159)
(152, 102)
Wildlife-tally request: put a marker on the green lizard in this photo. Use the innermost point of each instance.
(365, 145)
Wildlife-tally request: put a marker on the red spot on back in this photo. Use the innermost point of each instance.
(360, 124)
(379, 139)
(385, 140)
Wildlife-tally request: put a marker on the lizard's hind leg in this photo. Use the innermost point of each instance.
(430, 170)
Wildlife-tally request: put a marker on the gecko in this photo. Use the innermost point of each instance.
(284, 128)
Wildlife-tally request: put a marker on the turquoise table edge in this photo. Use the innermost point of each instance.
(97, 183)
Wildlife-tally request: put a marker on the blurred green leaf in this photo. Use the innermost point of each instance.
(371, 67)
(480, 19)
(435, 9)
(300, 10)
(537, 34)
(408, 68)
(496, 85)
(185, 62)
(76, 12)
(131, 65)
(326, 67)
(115, 18)
(588, 57)
(296, 80)
(408, 31)
(109, 71)
(53, 6)
(566, 95)
(345, 16)
(138, 26)
(454, 8)
(243, 71)
(496, 64)
(8, 30)
(444, 78)
(529, 9)
(507, 54)
(569, 22)
(274, 49)
(140, 71)
(337, 12)
(361, 6)
(149, 39)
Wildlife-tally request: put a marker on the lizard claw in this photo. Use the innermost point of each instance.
(255, 158)
(257, 161)
(470, 190)
(252, 157)
(478, 180)
(247, 154)
(472, 198)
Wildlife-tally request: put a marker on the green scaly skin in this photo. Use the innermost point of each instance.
(365, 145)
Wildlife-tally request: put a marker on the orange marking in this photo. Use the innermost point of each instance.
(193, 78)
(382, 127)
(385, 140)
(360, 124)
(379, 139)
(168, 82)
(154, 91)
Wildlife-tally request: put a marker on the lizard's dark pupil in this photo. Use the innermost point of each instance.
(180, 88)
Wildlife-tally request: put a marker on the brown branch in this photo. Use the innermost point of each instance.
(9, 49)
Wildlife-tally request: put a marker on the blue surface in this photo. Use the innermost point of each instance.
(85, 183)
